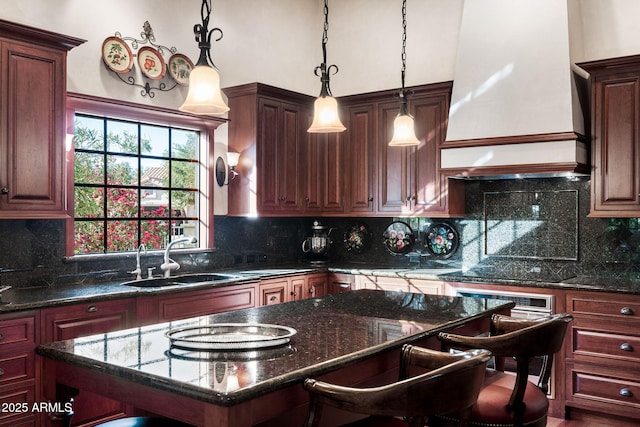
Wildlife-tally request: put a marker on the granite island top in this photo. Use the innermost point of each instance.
(62, 294)
(333, 331)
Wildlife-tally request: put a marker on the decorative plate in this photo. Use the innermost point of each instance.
(151, 63)
(441, 240)
(398, 238)
(179, 68)
(117, 55)
(357, 238)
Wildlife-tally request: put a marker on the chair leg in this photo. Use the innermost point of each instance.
(314, 413)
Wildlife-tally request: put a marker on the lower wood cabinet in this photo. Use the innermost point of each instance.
(427, 287)
(603, 354)
(285, 289)
(340, 282)
(74, 321)
(182, 305)
(19, 372)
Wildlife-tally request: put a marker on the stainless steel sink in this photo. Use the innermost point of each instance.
(185, 279)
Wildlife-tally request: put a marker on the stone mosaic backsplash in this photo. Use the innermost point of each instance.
(32, 251)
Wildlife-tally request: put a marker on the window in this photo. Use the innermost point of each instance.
(134, 183)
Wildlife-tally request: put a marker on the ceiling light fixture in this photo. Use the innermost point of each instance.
(325, 108)
(403, 129)
(204, 96)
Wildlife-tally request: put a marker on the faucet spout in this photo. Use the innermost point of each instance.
(168, 265)
(138, 270)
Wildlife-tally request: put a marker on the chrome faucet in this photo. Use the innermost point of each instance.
(170, 264)
(138, 270)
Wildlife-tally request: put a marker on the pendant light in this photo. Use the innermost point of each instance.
(403, 129)
(204, 96)
(325, 108)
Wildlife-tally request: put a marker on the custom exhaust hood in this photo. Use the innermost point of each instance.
(517, 101)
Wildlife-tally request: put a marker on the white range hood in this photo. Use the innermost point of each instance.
(515, 101)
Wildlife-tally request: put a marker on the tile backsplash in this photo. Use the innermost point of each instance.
(32, 251)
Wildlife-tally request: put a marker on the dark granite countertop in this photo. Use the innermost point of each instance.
(332, 332)
(27, 298)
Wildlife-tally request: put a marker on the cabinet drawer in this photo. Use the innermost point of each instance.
(627, 309)
(17, 367)
(17, 331)
(599, 343)
(14, 401)
(604, 388)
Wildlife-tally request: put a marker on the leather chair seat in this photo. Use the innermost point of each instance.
(496, 390)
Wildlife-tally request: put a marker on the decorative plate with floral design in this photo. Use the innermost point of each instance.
(117, 55)
(151, 63)
(441, 240)
(180, 67)
(398, 238)
(357, 238)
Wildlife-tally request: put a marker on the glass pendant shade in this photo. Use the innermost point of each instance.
(204, 96)
(403, 132)
(325, 116)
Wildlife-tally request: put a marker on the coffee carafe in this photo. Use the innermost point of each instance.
(317, 246)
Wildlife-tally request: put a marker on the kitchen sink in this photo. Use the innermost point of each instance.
(182, 280)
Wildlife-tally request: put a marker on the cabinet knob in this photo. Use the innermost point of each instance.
(370, 198)
(626, 392)
(627, 311)
(626, 347)
(92, 309)
(4, 190)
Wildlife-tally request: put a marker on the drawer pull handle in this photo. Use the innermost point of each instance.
(626, 347)
(626, 311)
(1, 372)
(273, 298)
(92, 309)
(1, 336)
(626, 392)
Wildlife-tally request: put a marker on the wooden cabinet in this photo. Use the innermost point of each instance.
(400, 284)
(74, 321)
(268, 127)
(603, 355)
(294, 288)
(324, 177)
(182, 305)
(340, 282)
(399, 180)
(615, 136)
(32, 120)
(19, 379)
(410, 179)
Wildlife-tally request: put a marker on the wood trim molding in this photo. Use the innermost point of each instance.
(114, 108)
(518, 139)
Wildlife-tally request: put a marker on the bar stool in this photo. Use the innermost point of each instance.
(506, 399)
(451, 383)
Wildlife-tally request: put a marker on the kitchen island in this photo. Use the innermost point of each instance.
(352, 338)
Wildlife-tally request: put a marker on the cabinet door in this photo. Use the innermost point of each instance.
(32, 118)
(268, 155)
(324, 186)
(339, 282)
(317, 286)
(616, 151)
(427, 188)
(394, 195)
(298, 289)
(279, 160)
(361, 158)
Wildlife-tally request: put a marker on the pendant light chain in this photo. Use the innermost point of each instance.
(404, 42)
(325, 33)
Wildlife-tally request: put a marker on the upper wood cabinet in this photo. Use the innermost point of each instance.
(32, 122)
(286, 171)
(615, 133)
(268, 127)
(400, 180)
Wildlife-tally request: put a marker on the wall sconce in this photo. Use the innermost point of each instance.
(221, 169)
